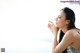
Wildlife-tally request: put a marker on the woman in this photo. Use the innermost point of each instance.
(65, 25)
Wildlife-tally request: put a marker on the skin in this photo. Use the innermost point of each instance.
(71, 37)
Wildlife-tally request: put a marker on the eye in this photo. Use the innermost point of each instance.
(59, 16)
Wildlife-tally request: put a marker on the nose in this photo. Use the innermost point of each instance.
(56, 18)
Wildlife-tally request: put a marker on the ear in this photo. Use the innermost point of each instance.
(67, 22)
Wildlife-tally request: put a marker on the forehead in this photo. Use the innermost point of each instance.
(61, 13)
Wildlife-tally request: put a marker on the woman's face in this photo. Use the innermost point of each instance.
(61, 20)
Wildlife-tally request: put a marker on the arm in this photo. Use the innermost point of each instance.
(66, 41)
(54, 30)
(55, 43)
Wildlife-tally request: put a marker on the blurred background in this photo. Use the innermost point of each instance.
(23, 24)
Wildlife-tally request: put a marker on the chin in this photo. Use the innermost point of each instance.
(57, 26)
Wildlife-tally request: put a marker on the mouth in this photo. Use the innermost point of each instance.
(56, 23)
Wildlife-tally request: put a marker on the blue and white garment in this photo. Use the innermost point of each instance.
(72, 50)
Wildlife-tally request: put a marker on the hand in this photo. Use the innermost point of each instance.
(53, 28)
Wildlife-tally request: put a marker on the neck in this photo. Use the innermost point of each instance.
(64, 29)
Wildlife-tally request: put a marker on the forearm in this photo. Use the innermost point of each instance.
(55, 43)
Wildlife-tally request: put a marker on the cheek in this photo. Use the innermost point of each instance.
(61, 23)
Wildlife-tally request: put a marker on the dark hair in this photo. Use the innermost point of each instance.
(69, 14)
(60, 38)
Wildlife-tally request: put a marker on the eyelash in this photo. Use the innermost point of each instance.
(59, 17)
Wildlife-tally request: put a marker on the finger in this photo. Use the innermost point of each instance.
(50, 21)
(50, 25)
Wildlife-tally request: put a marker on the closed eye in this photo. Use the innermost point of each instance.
(59, 16)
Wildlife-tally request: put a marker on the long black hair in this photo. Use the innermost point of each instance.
(69, 15)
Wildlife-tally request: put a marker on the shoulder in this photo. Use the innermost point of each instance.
(69, 35)
(71, 32)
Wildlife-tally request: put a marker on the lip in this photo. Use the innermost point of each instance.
(56, 23)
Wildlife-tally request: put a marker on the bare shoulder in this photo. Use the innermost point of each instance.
(70, 34)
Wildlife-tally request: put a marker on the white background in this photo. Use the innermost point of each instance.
(23, 24)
